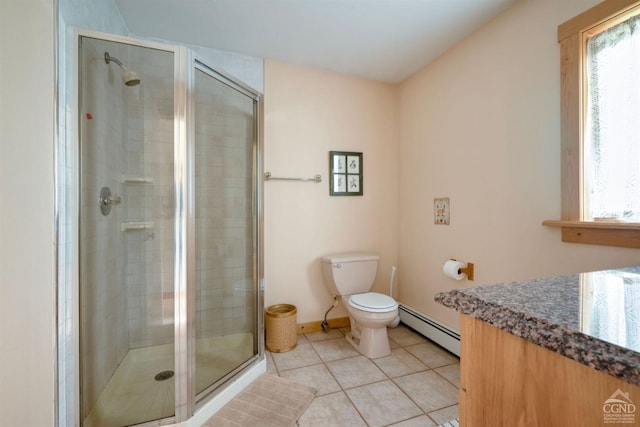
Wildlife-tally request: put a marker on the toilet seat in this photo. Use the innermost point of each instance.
(373, 302)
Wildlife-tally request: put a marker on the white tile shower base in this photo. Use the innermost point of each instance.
(133, 395)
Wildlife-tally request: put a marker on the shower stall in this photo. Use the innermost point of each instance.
(169, 231)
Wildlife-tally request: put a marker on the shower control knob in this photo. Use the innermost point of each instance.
(106, 201)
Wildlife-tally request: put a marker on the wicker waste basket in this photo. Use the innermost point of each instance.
(281, 327)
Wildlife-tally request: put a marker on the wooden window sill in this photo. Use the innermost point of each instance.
(623, 234)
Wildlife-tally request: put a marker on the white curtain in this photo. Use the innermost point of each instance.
(612, 131)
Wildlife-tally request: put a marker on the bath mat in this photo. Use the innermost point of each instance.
(268, 401)
(452, 423)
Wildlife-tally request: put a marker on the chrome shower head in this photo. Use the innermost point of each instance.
(129, 78)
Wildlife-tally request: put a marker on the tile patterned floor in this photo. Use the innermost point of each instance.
(415, 386)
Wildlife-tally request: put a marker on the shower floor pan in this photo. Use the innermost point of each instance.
(133, 395)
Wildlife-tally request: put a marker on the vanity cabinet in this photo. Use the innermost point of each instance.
(561, 351)
(508, 381)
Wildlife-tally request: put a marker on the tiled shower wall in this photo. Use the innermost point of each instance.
(149, 156)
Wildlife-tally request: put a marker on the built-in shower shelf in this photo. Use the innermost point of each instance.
(136, 225)
(126, 179)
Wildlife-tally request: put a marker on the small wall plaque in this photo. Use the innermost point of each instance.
(345, 169)
(441, 211)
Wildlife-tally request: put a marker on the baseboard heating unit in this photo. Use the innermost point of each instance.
(442, 335)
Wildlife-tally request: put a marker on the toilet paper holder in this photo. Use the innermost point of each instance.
(468, 270)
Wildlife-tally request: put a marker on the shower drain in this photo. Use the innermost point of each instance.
(164, 375)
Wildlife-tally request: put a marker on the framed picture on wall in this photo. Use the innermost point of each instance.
(345, 169)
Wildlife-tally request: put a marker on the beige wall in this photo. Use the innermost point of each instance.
(308, 113)
(27, 321)
(481, 125)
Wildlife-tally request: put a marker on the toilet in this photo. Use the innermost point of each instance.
(351, 276)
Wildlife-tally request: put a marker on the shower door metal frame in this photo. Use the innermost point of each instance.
(185, 64)
(184, 270)
(257, 274)
(182, 402)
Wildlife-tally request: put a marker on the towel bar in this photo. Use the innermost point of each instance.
(316, 178)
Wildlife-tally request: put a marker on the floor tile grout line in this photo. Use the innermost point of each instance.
(355, 407)
(387, 376)
(342, 389)
(416, 359)
(410, 398)
(428, 369)
(446, 379)
(408, 419)
(436, 422)
(402, 376)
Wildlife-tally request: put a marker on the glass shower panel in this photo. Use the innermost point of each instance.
(126, 115)
(225, 229)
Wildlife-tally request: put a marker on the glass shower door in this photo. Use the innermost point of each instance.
(168, 232)
(126, 115)
(225, 227)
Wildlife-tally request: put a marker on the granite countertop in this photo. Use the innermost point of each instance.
(593, 318)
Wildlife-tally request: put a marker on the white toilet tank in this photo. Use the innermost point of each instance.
(349, 273)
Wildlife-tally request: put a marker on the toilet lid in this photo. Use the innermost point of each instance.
(373, 302)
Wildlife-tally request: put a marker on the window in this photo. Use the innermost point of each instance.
(611, 142)
(600, 96)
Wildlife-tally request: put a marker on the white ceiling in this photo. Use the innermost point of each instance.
(385, 40)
